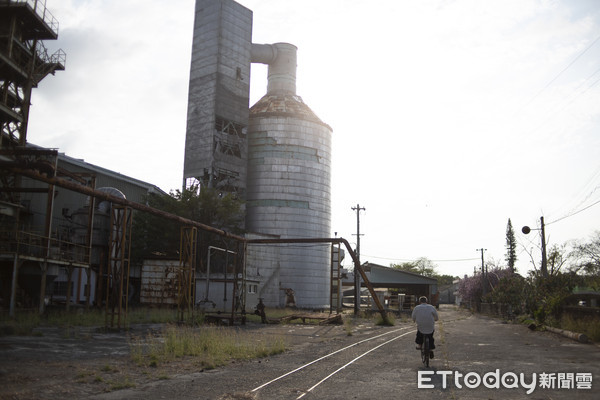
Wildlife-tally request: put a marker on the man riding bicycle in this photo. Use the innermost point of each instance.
(425, 316)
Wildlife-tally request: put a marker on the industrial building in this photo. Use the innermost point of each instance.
(275, 155)
(57, 242)
(70, 258)
(397, 289)
(66, 224)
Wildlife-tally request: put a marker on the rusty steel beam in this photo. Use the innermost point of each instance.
(343, 241)
(124, 202)
(185, 221)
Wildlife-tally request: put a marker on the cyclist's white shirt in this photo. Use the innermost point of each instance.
(425, 316)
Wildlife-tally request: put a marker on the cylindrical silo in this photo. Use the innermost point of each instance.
(288, 186)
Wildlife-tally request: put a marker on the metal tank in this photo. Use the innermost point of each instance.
(288, 181)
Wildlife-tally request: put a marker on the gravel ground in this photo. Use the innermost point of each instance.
(87, 364)
(83, 362)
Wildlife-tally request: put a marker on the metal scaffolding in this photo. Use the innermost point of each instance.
(186, 273)
(24, 62)
(117, 287)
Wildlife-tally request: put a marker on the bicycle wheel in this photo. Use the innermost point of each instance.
(425, 351)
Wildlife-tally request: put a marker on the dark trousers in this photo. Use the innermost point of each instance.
(419, 340)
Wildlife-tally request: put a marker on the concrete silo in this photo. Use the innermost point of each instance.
(288, 177)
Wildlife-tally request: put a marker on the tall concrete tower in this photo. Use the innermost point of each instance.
(276, 156)
(219, 91)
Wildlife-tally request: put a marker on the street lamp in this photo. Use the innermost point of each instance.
(526, 231)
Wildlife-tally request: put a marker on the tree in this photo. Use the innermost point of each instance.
(445, 280)
(509, 288)
(557, 258)
(588, 255)
(156, 235)
(470, 288)
(511, 246)
(422, 266)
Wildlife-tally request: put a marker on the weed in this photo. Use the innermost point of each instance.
(348, 326)
(124, 384)
(106, 368)
(389, 320)
(211, 346)
(589, 326)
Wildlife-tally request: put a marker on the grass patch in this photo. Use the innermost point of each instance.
(348, 326)
(210, 346)
(108, 368)
(389, 320)
(22, 325)
(25, 322)
(122, 384)
(589, 326)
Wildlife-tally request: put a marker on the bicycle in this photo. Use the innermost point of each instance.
(426, 350)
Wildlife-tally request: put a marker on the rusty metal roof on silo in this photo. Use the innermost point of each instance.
(284, 105)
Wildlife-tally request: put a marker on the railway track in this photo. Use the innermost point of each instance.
(300, 382)
(318, 371)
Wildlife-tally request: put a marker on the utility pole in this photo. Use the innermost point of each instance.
(356, 275)
(483, 272)
(544, 257)
(526, 231)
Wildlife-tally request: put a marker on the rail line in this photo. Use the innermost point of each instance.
(405, 331)
(337, 352)
(351, 362)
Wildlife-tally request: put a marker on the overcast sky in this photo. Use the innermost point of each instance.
(448, 117)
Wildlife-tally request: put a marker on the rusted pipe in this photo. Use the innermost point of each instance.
(184, 221)
(124, 202)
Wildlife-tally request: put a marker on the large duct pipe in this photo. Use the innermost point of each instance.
(263, 53)
(281, 59)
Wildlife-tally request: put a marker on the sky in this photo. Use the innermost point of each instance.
(448, 117)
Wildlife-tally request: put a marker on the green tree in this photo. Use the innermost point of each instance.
(549, 293)
(511, 289)
(155, 235)
(445, 279)
(422, 266)
(587, 256)
(511, 246)
(557, 259)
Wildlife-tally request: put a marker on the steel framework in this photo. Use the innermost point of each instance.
(24, 62)
(242, 241)
(118, 277)
(185, 276)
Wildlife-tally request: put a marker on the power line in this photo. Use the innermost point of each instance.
(561, 72)
(416, 259)
(561, 107)
(586, 187)
(574, 213)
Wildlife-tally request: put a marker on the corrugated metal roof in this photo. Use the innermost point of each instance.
(381, 274)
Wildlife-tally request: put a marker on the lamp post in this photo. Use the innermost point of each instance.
(526, 231)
